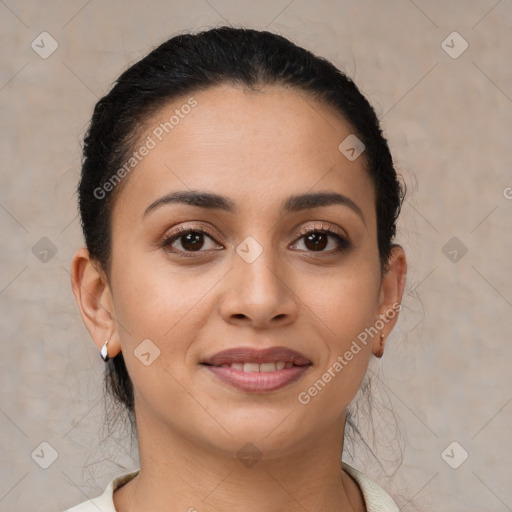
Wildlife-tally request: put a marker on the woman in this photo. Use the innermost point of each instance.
(238, 203)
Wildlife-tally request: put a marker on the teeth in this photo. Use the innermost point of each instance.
(251, 367)
(267, 367)
(261, 367)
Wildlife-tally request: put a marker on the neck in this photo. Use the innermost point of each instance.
(177, 474)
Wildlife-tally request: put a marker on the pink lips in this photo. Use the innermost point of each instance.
(279, 367)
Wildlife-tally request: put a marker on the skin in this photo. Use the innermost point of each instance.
(256, 148)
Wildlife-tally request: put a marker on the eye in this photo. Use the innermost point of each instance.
(190, 238)
(316, 239)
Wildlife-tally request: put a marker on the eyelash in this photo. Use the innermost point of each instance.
(343, 243)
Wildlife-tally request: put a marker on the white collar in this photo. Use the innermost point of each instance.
(376, 499)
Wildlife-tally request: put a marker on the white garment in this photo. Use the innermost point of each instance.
(376, 499)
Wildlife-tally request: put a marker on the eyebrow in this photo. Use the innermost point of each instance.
(294, 203)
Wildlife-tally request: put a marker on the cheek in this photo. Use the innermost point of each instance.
(344, 301)
(153, 300)
(167, 305)
(343, 310)
(156, 303)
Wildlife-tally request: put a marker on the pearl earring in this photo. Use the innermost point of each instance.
(104, 351)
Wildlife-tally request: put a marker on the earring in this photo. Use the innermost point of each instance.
(380, 353)
(104, 351)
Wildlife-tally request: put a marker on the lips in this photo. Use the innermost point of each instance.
(249, 358)
(258, 371)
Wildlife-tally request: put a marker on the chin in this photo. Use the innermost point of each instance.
(254, 434)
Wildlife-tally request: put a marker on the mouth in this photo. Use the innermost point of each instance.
(252, 356)
(257, 367)
(255, 370)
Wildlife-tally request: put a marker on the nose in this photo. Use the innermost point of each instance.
(259, 294)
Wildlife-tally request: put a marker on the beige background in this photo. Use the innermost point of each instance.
(448, 120)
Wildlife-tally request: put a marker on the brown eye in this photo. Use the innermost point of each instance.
(190, 239)
(317, 240)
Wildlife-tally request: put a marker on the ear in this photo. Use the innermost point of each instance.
(391, 292)
(92, 292)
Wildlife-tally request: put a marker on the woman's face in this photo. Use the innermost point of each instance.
(252, 279)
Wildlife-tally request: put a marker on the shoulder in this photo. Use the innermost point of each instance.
(375, 497)
(105, 502)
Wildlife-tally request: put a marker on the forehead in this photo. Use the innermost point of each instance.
(252, 146)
